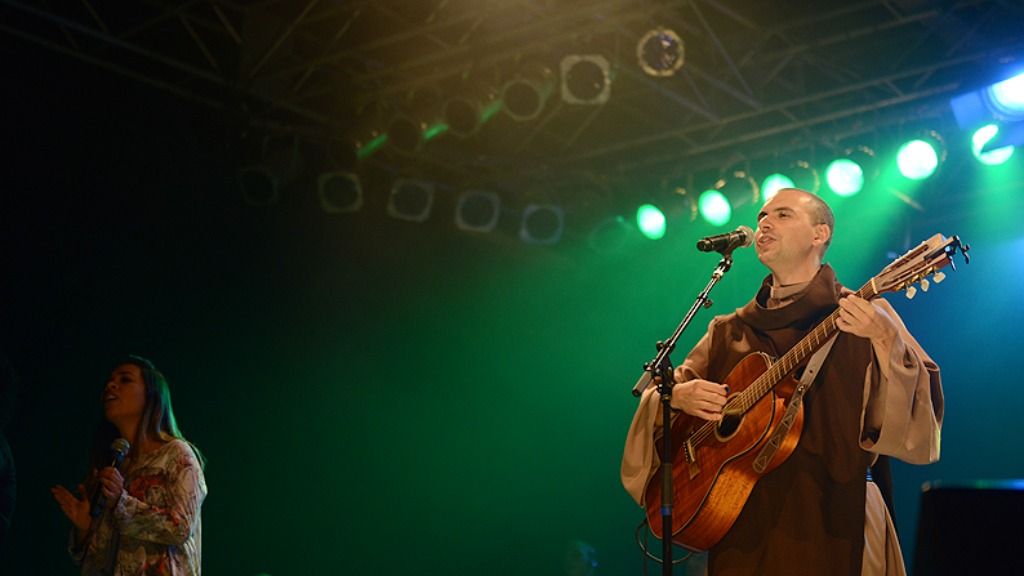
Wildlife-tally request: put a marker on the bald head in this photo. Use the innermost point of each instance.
(816, 208)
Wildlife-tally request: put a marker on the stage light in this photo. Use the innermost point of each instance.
(542, 224)
(983, 136)
(466, 112)
(280, 166)
(373, 142)
(1001, 104)
(417, 121)
(364, 138)
(844, 176)
(849, 174)
(733, 189)
(523, 97)
(714, 207)
(355, 147)
(917, 159)
(681, 205)
(259, 186)
(477, 211)
(796, 173)
(411, 200)
(339, 192)
(408, 133)
(586, 79)
(1007, 97)
(739, 188)
(660, 52)
(773, 183)
(610, 235)
(805, 176)
(651, 221)
(920, 157)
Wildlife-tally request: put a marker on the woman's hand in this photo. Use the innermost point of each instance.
(111, 483)
(75, 508)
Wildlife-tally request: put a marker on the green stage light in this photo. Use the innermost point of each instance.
(993, 157)
(434, 130)
(376, 142)
(775, 182)
(714, 207)
(651, 221)
(917, 159)
(845, 177)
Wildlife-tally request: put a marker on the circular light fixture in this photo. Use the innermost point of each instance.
(980, 138)
(1007, 97)
(845, 177)
(775, 182)
(651, 221)
(920, 157)
(714, 207)
(660, 52)
(586, 79)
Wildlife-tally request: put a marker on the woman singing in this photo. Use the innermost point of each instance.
(146, 513)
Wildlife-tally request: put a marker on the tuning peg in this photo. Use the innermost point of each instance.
(911, 292)
(925, 285)
(939, 277)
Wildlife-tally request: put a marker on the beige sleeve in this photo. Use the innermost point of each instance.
(903, 403)
(640, 459)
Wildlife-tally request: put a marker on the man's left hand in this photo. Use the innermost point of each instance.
(863, 318)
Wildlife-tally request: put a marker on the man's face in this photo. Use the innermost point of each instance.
(786, 233)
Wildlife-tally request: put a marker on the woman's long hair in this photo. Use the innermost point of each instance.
(158, 422)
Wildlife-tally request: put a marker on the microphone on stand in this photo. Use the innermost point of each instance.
(118, 449)
(739, 238)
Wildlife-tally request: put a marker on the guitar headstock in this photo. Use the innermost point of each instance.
(918, 264)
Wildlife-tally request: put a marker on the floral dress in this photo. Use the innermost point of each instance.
(155, 527)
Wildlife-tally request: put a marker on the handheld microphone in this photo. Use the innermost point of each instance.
(118, 449)
(739, 238)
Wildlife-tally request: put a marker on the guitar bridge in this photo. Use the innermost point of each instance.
(691, 458)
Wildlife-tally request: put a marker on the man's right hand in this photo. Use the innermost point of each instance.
(700, 398)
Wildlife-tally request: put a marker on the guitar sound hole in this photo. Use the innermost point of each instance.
(729, 424)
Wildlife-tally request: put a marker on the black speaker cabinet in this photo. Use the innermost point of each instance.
(971, 528)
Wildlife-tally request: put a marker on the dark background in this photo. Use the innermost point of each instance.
(377, 396)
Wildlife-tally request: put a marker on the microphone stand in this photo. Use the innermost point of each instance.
(661, 367)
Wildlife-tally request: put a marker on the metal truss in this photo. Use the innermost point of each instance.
(760, 78)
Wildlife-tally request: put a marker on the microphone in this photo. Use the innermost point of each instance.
(739, 238)
(118, 449)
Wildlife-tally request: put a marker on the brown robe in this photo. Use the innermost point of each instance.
(808, 515)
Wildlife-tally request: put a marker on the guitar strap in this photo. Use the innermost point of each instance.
(793, 408)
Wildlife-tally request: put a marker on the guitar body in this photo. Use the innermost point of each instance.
(712, 486)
